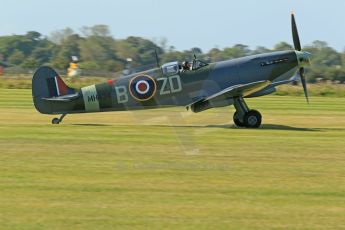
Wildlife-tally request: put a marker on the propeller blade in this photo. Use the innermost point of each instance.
(304, 83)
(295, 36)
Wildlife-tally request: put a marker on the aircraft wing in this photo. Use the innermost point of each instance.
(274, 84)
(69, 97)
(230, 92)
(239, 90)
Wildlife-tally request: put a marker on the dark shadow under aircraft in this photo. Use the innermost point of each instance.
(197, 86)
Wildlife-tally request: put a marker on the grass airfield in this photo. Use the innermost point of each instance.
(172, 169)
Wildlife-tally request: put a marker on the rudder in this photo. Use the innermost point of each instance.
(46, 83)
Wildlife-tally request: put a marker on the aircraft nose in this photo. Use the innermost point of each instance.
(303, 58)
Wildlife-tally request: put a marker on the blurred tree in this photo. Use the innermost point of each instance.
(42, 55)
(59, 36)
(215, 55)
(343, 59)
(17, 48)
(30, 63)
(16, 58)
(140, 50)
(236, 51)
(189, 54)
(162, 42)
(173, 56)
(319, 44)
(113, 65)
(68, 48)
(98, 50)
(89, 65)
(197, 51)
(125, 50)
(33, 36)
(283, 46)
(261, 50)
(96, 30)
(323, 55)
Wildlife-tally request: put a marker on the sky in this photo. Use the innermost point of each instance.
(185, 24)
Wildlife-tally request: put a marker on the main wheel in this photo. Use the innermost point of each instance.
(237, 121)
(252, 119)
(55, 121)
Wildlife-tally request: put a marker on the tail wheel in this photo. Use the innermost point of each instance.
(55, 121)
(237, 121)
(252, 119)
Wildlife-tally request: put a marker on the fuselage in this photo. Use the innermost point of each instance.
(154, 89)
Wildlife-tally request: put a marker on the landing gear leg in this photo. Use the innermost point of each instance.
(245, 117)
(56, 120)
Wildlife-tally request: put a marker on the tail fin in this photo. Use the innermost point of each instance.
(46, 83)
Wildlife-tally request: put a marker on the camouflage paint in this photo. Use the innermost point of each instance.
(180, 89)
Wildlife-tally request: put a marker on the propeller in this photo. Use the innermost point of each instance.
(300, 55)
(295, 35)
(304, 83)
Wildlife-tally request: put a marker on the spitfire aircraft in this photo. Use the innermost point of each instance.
(197, 86)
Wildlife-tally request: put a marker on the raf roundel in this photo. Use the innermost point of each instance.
(142, 87)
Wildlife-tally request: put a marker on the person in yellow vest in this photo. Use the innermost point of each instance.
(73, 70)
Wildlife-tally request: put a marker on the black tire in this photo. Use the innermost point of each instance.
(237, 121)
(55, 121)
(252, 119)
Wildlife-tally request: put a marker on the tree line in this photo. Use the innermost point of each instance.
(98, 50)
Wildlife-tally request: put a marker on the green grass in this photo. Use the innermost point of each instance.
(171, 169)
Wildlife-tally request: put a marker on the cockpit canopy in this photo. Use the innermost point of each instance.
(172, 68)
(197, 64)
